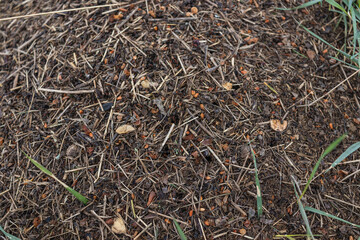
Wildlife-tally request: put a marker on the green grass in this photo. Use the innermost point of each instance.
(314, 210)
(344, 155)
(80, 197)
(303, 208)
(349, 14)
(8, 235)
(302, 211)
(331, 147)
(179, 230)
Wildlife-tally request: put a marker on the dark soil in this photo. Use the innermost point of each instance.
(163, 71)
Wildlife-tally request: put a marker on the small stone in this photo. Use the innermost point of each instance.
(145, 84)
(72, 151)
(107, 106)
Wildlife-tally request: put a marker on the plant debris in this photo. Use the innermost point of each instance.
(155, 110)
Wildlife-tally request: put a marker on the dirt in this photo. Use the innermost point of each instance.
(196, 86)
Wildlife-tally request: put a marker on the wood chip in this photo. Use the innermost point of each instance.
(227, 86)
(125, 129)
(119, 226)
(276, 125)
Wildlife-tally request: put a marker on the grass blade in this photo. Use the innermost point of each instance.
(307, 4)
(76, 194)
(302, 211)
(327, 43)
(345, 154)
(179, 230)
(335, 4)
(331, 147)
(294, 236)
(353, 17)
(310, 209)
(38, 165)
(80, 197)
(8, 235)
(257, 182)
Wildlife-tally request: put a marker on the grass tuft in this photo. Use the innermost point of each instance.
(349, 11)
(314, 210)
(344, 155)
(331, 147)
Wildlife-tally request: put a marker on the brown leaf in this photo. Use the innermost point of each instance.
(195, 154)
(90, 150)
(276, 125)
(225, 146)
(311, 54)
(207, 142)
(119, 226)
(137, 123)
(85, 129)
(36, 221)
(110, 221)
(125, 129)
(152, 195)
(189, 137)
(152, 13)
(247, 223)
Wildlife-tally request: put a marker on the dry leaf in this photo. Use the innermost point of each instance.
(125, 129)
(311, 54)
(227, 85)
(119, 226)
(277, 125)
(36, 221)
(152, 195)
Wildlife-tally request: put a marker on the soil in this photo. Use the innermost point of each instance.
(197, 85)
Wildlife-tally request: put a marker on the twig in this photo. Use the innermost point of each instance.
(128, 17)
(341, 83)
(103, 222)
(167, 137)
(67, 91)
(217, 158)
(66, 10)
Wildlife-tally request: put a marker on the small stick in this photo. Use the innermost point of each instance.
(127, 18)
(66, 91)
(99, 170)
(172, 19)
(167, 136)
(217, 158)
(162, 215)
(103, 222)
(341, 83)
(66, 10)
